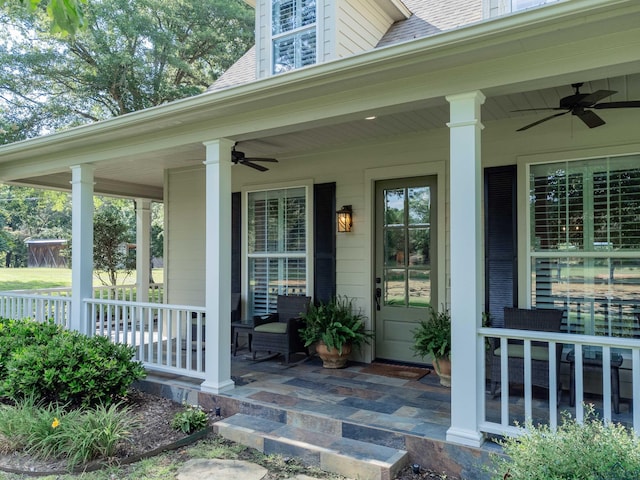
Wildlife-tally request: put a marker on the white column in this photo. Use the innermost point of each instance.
(218, 267)
(467, 386)
(82, 250)
(143, 248)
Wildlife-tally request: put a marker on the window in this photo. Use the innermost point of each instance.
(293, 30)
(524, 4)
(585, 243)
(277, 247)
(494, 8)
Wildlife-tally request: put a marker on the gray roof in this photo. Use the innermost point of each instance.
(429, 17)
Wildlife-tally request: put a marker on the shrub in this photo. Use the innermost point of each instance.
(191, 419)
(591, 451)
(60, 366)
(52, 431)
(84, 435)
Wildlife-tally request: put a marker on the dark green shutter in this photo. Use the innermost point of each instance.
(324, 228)
(501, 241)
(236, 242)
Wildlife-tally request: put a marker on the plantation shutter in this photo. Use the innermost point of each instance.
(276, 246)
(501, 259)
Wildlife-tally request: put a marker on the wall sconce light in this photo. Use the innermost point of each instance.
(344, 219)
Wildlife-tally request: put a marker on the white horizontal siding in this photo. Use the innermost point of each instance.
(360, 26)
(185, 218)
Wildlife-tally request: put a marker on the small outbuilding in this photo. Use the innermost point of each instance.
(47, 253)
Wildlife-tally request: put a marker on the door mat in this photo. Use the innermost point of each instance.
(396, 371)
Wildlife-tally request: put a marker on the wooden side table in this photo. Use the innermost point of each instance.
(596, 363)
(236, 328)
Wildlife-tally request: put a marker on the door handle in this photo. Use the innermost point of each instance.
(378, 296)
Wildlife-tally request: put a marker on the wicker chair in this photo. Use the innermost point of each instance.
(279, 332)
(544, 320)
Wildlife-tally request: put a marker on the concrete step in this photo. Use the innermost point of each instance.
(328, 451)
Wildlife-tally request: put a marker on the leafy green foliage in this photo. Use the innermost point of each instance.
(30, 213)
(191, 419)
(593, 450)
(433, 334)
(336, 323)
(130, 56)
(110, 234)
(50, 364)
(66, 15)
(52, 431)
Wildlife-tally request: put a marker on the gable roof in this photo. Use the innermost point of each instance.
(429, 17)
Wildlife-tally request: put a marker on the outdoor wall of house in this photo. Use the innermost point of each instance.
(359, 25)
(351, 165)
(344, 27)
(184, 236)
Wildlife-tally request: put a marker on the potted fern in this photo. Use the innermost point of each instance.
(433, 337)
(335, 327)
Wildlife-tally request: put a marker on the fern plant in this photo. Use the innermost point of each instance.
(433, 335)
(336, 323)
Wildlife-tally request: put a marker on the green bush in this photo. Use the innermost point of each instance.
(591, 451)
(54, 365)
(191, 419)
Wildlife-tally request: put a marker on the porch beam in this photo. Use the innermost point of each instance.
(143, 249)
(218, 266)
(467, 382)
(82, 251)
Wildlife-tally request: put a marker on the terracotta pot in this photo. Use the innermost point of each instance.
(442, 367)
(331, 357)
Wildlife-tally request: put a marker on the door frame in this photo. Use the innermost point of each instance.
(373, 175)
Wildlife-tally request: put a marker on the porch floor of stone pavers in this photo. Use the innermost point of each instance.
(395, 412)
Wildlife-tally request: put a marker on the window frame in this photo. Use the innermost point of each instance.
(295, 34)
(496, 8)
(307, 254)
(526, 253)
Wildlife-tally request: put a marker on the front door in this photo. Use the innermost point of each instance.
(405, 265)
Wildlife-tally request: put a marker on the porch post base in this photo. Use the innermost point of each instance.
(468, 438)
(215, 388)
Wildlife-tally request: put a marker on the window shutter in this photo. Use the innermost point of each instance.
(324, 241)
(501, 260)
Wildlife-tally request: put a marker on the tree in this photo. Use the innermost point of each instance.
(131, 55)
(30, 213)
(111, 234)
(66, 15)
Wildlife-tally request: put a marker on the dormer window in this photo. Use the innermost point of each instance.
(494, 8)
(293, 33)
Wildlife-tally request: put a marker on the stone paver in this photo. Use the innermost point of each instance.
(203, 469)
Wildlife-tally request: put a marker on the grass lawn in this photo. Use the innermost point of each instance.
(36, 278)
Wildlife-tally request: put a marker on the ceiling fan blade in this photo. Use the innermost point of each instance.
(537, 109)
(260, 159)
(595, 97)
(590, 119)
(628, 104)
(254, 165)
(526, 127)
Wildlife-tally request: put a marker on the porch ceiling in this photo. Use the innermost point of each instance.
(144, 172)
(522, 61)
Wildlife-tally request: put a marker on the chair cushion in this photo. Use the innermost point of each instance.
(517, 351)
(273, 327)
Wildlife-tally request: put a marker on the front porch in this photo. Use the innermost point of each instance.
(410, 415)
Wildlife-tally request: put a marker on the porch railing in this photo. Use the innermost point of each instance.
(105, 292)
(167, 338)
(579, 352)
(37, 307)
